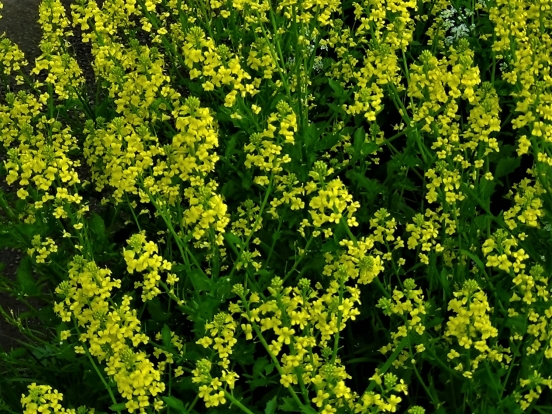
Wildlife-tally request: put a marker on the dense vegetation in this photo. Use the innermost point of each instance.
(281, 206)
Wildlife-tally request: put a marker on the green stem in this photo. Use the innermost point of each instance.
(288, 274)
(261, 211)
(237, 403)
(107, 387)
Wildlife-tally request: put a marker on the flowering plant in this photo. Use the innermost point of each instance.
(311, 206)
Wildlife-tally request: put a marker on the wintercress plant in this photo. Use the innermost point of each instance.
(281, 206)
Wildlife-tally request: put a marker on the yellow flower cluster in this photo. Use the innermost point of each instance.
(260, 58)
(207, 213)
(106, 20)
(42, 249)
(41, 155)
(142, 257)
(44, 399)
(444, 181)
(483, 120)
(381, 63)
(386, 402)
(265, 153)
(528, 207)
(64, 73)
(117, 155)
(535, 383)
(221, 338)
(472, 327)
(12, 58)
(136, 80)
(361, 261)
(109, 329)
(381, 226)
(520, 40)
(249, 214)
(218, 65)
(300, 318)
(288, 192)
(409, 301)
(131, 160)
(425, 233)
(176, 341)
(331, 204)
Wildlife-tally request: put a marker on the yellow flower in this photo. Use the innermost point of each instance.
(320, 398)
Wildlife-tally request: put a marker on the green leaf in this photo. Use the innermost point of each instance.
(329, 246)
(358, 140)
(200, 280)
(97, 226)
(25, 277)
(264, 275)
(306, 409)
(289, 405)
(230, 190)
(506, 166)
(259, 366)
(156, 312)
(337, 88)
(312, 135)
(224, 288)
(486, 189)
(118, 407)
(175, 403)
(475, 259)
(244, 353)
(271, 406)
(8, 240)
(340, 232)
(230, 147)
(327, 142)
(389, 361)
(166, 335)
(233, 240)
(247, 181)
(269, 368)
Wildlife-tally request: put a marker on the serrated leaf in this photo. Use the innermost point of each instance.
(199, 280)
(230, 189)
(97, 226)
(329, 246)
(174, 403)
(118, 407)
(271, 406)
(7, 239)
(305, 409)
(25, 277)
(259, 366)
(156, 312)
(230, 147)
(476, 259)
(269, 368)
(486, 189)
(327, 142)
(233, 238)
(312, 135)
(337, 88)
(358, 140)
(247, 182)
(289, 405)
(166, 336)
(506, 166)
